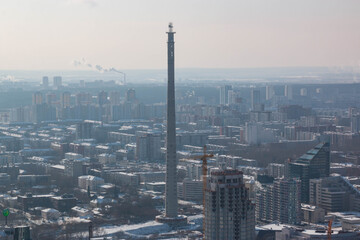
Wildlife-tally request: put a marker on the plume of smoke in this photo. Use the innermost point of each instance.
(99, 68)
(96, 67)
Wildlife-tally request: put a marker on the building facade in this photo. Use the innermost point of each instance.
(229, 214)
(314, 164)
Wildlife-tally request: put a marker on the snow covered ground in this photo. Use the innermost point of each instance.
(151, 228)
(140, 230)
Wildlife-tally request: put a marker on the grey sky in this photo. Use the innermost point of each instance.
(130, 34)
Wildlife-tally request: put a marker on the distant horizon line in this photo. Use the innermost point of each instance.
(185, 68)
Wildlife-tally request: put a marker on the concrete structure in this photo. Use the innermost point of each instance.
(229, 214)
(171, 204)
(90, 182)
(312, 214)
(190, 190)
(334, 194)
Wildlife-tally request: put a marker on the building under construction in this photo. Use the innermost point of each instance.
(229, 214)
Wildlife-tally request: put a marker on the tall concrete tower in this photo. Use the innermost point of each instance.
(171, 204)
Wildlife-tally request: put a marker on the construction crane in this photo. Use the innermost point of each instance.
(329, 229)
(203, 158)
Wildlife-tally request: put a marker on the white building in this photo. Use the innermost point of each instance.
(90, 182)
(255, 133)
(190, 190)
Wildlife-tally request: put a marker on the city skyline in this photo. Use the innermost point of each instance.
(52, 34)
(228, 143)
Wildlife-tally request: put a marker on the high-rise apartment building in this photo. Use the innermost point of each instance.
(45, 82)
(65, 99)
(355, 123)
(57, 81)
(37, 98)
(279, 201)
(255, 100)
(83, 98)
(288, 92)
(314, 164)
(229, 213)
(287, 192)
(115, 98)
(234, 97)
(50, 99)
(276, 170)
(224, 94)
(131, 95)
(102, 98)
(84, 130)
(270, 92)
(148, 146)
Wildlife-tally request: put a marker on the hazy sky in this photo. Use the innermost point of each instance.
(130, 34)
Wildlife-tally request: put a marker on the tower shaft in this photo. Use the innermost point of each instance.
(171, 204)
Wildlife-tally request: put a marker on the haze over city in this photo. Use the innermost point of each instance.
(50, 34)
(214, 120)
